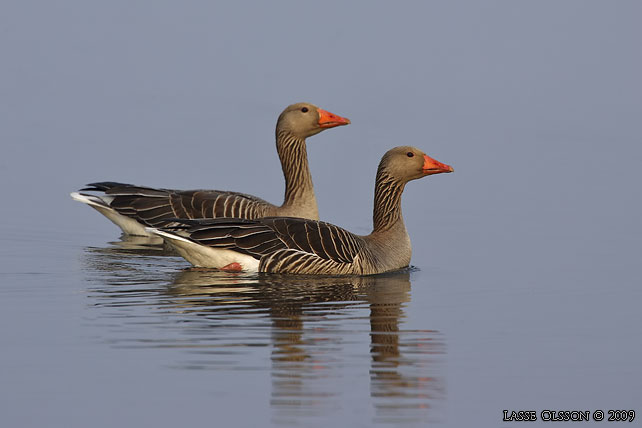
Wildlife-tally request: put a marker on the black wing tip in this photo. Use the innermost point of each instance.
(103, 186)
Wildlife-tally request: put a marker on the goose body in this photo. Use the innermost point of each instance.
(135, 208)
(303, 246)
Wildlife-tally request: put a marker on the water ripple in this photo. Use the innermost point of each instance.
(318, 332)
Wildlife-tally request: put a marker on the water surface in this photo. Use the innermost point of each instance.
(311, 336)
(525, 288)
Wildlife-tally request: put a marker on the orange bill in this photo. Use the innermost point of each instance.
(330, 120)
(432, 166)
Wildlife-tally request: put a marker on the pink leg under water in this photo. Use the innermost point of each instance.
(232, 267)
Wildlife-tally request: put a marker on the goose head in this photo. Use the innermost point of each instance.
(405, 163)
(305, 120)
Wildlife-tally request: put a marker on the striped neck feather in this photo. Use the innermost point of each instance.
(387, 201)
(299, 190)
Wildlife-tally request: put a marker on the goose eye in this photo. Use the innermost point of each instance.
(304, 109)
(410, 154)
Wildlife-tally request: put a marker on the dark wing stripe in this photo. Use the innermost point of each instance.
(261, 248)
(241, 207)
(260, 241)
(179, 207)
(219, 241)
(142, 192)
(197, 203)
(143, 205)
(235, 207)
(129, 212)
(328, 242)
(185, 203)
(245, 232)
(279, 225)
(254, 238)
(336, 244)
(314, 239)
(298, 233)
(268, 247)
(161, 212)
(137, 204)
(199, 234)
(123, 202)
(222, 225)
(192, 204)
(103, 186)
(228, 206)
(255, 210)
(212, 213)
(347, 244)
(344, 242)
(206, 207)
(218, 206)
(176, 208)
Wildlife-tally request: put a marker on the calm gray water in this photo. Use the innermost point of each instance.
(525, 290)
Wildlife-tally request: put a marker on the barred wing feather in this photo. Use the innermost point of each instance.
(323, 239)
(283, 244)
(154, 207)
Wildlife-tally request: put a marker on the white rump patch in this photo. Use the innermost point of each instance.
(207, 257)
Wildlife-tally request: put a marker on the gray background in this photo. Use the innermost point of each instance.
(537, 105)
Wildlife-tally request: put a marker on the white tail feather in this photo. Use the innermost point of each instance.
(128, 225)
(88, 199)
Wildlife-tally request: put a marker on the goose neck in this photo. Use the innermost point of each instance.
(387, 202)
(299, 190)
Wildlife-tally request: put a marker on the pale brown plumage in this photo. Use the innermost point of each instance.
(300, 246)
(148, 206)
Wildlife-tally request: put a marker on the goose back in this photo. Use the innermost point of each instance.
(154, 207)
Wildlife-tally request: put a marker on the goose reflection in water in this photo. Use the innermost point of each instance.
(316, 330)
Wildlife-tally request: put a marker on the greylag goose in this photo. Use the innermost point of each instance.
(133, 208)
(300, 246)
